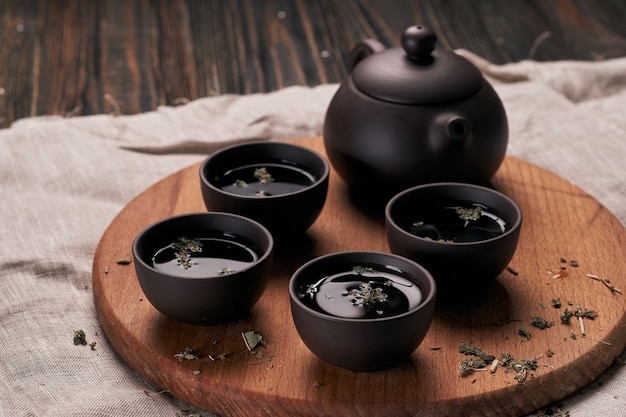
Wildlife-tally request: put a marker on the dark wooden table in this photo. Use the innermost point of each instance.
(77, 57)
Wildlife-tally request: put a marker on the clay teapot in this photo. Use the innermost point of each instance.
(413, 115)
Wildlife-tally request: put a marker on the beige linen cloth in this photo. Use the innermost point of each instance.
(62, 181)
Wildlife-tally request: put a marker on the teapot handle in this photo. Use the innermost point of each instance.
(361, 51)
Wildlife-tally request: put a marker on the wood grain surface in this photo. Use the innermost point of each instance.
(562, 224)
(75, 57)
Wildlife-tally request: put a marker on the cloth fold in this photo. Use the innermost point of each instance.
(576, 80)
(63, 180)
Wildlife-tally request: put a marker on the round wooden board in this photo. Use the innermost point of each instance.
(560, 222)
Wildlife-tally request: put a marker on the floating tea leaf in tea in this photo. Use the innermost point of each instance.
(363, 292)
(454, 222)
(267, 179)
(213, 256)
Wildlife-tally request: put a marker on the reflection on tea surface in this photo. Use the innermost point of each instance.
(216, 255)
(454, 222)
(266, 179)
(363, 293)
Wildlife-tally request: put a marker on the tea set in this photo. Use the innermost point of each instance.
(417, 127)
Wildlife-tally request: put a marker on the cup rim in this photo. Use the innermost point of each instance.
(391, 221)
(262, 257)
(322, 177)
(428, 299)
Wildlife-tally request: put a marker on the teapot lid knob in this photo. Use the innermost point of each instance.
(418, 42)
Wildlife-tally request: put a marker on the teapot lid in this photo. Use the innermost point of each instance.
(417, 73)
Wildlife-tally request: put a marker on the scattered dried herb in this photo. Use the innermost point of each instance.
(124, 261)
(526, 335)
(521, 368)
(552, 412)
(567, 314)
(466, 349)
(479, 361)
(186, 413)
(186, 355)
(487, 358)
(251, 339)
(240, 183)
(219, 357)
(541, 323)
(468, 366)
(579, 312)
(556, 302)
(606, 283)
(80, 338)
(494, 366)
(507, 360)
(560, 274)
(585, 313)
(582, 326)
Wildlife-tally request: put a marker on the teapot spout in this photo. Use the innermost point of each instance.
(449, 131)
(458, 128)
(361, 51)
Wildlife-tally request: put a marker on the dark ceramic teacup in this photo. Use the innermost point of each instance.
(362, 311)
(280, 185)
(464, 234)
(203, 268)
